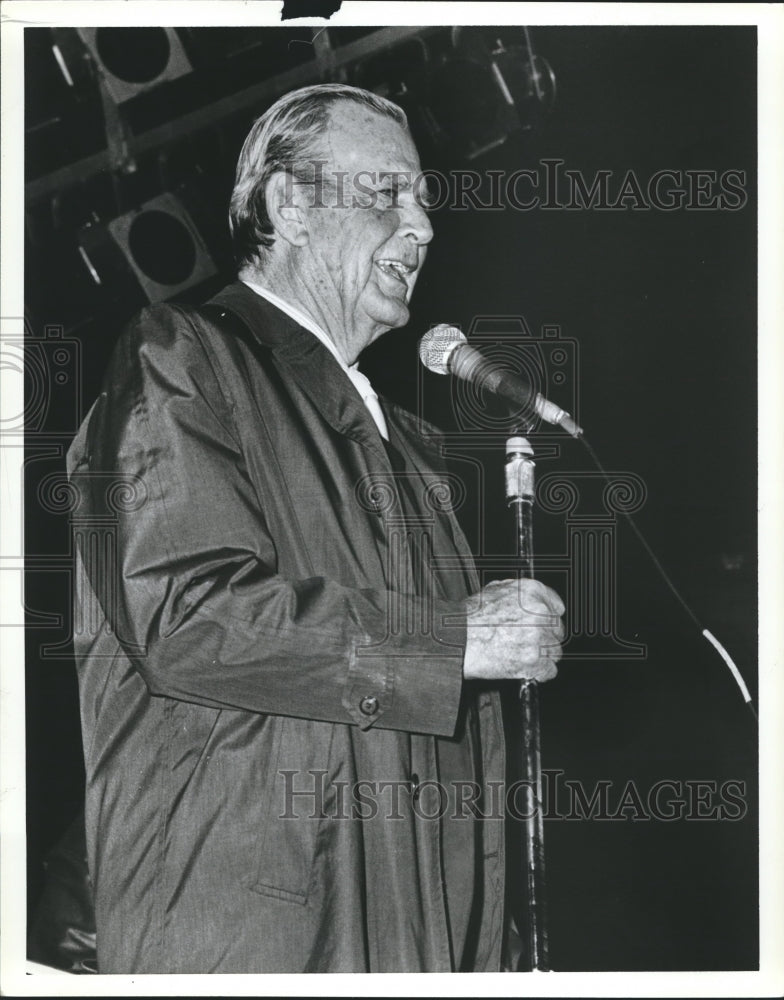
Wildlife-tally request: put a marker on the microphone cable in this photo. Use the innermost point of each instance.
(444, 350)
(677, 594)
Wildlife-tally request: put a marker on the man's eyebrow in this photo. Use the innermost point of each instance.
(405, 180)
(400, 177)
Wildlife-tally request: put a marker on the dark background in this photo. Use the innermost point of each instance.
(662, 306)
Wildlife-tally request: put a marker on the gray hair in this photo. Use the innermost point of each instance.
(285, 138)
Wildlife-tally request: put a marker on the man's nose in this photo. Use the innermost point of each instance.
(415, 223)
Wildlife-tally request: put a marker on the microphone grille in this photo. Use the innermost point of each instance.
(436, 346)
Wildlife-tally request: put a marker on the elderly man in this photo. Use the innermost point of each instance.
(281, 726)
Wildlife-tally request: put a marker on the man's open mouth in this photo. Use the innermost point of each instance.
(396, 269)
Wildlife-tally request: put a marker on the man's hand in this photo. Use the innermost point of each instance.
(514, 632)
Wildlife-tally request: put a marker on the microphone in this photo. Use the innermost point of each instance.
(445, 350)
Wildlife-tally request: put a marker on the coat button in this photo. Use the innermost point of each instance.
(415, 786)
(369, 705)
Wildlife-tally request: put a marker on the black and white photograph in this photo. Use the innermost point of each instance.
(391, 498)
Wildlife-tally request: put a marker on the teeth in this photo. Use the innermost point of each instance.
(395, 267)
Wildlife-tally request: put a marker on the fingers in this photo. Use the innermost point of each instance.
(524, 592)
(553, 655)
(509, 601)
(544, 594)
(543, 668)
(558, 606)
(512, 651)
(515, 631)
(547, 671)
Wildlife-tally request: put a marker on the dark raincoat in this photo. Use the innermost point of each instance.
(264, 651)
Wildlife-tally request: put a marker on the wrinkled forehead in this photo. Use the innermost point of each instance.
(358, 138)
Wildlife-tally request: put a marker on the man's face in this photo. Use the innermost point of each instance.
(368, 243)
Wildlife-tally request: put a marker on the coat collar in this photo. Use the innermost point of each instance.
(307, 360)
(317, 372)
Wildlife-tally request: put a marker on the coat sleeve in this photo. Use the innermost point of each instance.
(196, 600)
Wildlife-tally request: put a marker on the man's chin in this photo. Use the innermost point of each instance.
(393, 314)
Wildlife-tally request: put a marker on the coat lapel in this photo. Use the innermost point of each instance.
(307, 360)
(300, 354)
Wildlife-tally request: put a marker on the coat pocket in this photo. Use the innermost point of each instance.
(295, 810)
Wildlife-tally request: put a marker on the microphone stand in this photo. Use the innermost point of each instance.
(519, 471)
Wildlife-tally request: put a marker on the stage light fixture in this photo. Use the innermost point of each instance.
(134, 60)
(491, 85)
(160, 244)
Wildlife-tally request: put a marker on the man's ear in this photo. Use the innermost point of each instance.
(286, 209)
